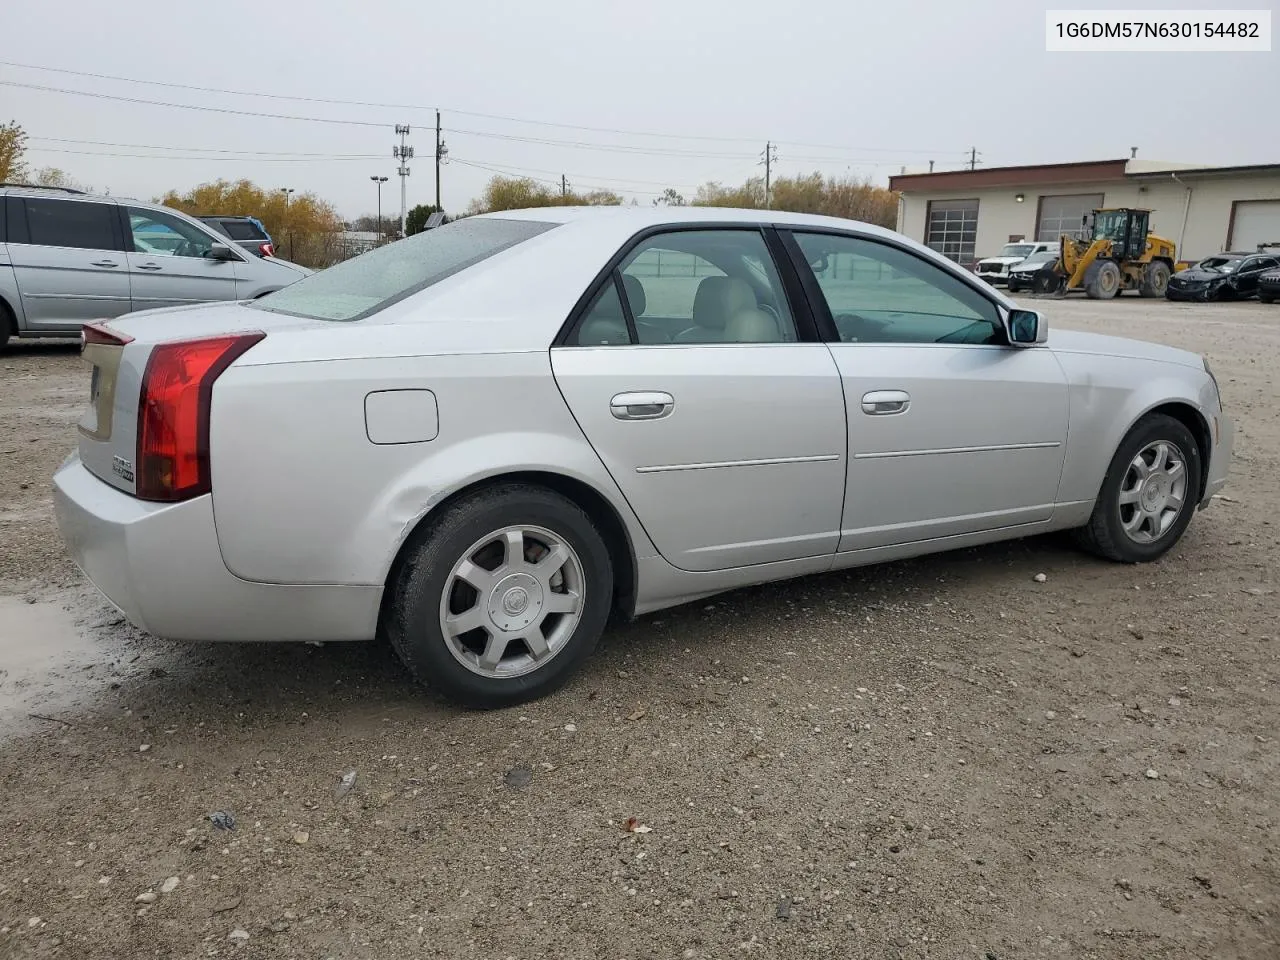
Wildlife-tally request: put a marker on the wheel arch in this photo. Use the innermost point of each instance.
(622, 553)
(1190, 417)
(8, 317)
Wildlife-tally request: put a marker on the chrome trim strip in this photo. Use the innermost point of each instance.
(994, 448)
(766, 462)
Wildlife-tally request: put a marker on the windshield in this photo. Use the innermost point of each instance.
(1044, 256)
(1110, 225)
(1016, 249)
(1220, 264)
(356, 288)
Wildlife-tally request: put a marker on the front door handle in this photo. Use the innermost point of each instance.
(105, 263)
(150, 266)
(645, 405)
(880, 403)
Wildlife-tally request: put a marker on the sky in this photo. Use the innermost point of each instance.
(634, 97)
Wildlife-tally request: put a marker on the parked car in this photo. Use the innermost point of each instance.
(1224, 276)
(1269, 285)
(481, 441)
(996, 269)
(1022, 276)
(247, 232)
(68, 258)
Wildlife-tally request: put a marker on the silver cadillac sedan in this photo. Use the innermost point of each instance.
(482, 441)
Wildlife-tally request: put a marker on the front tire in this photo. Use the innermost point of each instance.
(1102, 280)
(503, 597)
(1148, 495)
(1266, 298)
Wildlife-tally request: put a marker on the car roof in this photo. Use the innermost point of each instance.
(1232, 255)
(640, 217)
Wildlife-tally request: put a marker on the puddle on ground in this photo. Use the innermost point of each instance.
(49, 660)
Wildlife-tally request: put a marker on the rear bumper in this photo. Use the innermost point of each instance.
(160, 565)
(1220, 459)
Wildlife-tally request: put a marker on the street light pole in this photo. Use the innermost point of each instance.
(379, 181)
(287, 225)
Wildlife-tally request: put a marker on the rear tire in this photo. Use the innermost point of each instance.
(8, 325)
(526, 626)
(1155, 279)
(1139, 516)
(1102, 280)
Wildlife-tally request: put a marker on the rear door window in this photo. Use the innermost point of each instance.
(81, 224)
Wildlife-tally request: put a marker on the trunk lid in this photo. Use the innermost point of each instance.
(116, 353)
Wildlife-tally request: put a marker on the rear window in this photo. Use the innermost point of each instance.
(243, 230)
(360, 287)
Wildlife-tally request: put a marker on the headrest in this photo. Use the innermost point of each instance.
(718, 299)
(635, 294)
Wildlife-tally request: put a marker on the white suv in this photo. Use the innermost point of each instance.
(996, 269)
(68, 258)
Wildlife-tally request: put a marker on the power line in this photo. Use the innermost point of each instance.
(363, 157)
(190, 106)
(553, 183)
(651, 183)
(420, 107)
(608, 147)
(156, 146)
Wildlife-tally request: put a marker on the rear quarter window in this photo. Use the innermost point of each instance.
(373, 281)
(242, 230)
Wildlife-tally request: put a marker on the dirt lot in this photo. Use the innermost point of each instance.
(941, 758)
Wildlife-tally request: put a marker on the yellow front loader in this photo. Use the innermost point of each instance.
(1119, 255)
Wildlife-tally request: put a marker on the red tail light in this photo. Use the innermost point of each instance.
(96, 333)
(173, 414)
(266, 249)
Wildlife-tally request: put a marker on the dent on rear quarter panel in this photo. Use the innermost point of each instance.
(1108, 396)
(301, 495)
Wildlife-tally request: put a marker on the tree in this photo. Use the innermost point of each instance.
(54, 177)
(845, 196)
(415, 221)
(669, 198)
(13, 147)
(515, 193)
(306, 229)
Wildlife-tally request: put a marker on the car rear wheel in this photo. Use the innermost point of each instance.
(503, 598)
(1148, 495)
(8, 326)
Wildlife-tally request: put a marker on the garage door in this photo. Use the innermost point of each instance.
(1254, 222)
(1062, 214)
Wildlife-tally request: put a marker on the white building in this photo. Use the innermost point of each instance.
(970, 214)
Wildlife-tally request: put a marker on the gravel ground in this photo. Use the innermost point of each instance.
(940, 758)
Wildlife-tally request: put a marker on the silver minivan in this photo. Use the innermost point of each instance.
(68, 258)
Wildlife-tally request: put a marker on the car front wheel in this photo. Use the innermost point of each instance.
(1148, 495)
(503, 598)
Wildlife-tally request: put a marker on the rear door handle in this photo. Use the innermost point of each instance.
(880, 403)
(105, 263)
(645, 405)
(150, 266)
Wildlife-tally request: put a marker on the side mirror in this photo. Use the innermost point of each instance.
(1027, 327)
(220, 251)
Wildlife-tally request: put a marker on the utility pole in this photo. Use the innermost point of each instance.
(442, 151)
(288, 226)
(770, 158)
(564, 186)
(973, 158)
(404, 154)
(379, 181)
